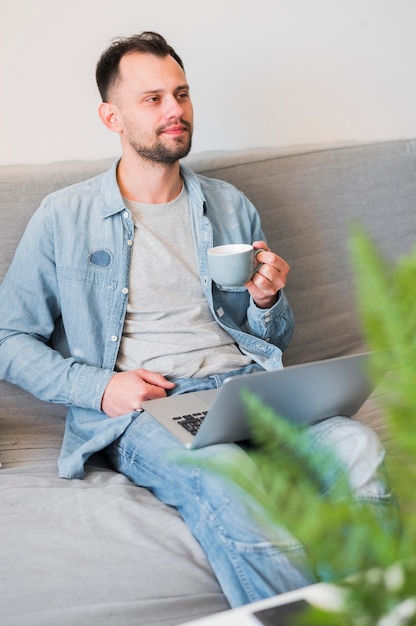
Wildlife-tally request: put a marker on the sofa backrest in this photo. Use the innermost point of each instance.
(307, 199)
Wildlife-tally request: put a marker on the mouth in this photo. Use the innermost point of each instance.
(175, 130)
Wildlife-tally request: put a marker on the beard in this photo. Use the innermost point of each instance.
(160, 152)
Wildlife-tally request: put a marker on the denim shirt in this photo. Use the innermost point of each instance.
(64, 298)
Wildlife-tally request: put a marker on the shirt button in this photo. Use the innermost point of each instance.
(129, 243)
(125, 290)
(114, 338)
(125, 214)
(267, 339)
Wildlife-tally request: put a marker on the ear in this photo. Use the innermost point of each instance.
(109, 116)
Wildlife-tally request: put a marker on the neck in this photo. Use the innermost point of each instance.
(147, 182)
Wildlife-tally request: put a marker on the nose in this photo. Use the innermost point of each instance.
(173, 109)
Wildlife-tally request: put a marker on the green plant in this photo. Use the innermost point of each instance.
(386, 303)
(285, 483)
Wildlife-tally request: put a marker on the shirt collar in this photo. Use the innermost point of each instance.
(111, 198)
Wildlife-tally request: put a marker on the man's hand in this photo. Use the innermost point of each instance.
(269, 279)
(126, 391)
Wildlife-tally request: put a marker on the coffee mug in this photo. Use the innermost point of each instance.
(232, 265)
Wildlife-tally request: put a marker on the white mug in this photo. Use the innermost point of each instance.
(232, 265)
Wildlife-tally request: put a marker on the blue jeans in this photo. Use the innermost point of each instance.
(249, 562)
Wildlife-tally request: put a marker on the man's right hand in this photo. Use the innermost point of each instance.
(127, 390)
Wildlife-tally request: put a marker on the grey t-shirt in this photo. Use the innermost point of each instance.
(169, 328)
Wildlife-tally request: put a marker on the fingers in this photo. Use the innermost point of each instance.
(270, 278)
(272, 275)
(126, 391)
(153, 378)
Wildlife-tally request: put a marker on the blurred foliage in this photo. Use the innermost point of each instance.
(386, 303)
(286, 484)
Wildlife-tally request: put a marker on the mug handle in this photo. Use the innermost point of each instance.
(260, 264)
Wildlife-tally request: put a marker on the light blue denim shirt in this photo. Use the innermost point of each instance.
(63, 300)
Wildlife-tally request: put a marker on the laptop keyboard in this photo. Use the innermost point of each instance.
(191, 421)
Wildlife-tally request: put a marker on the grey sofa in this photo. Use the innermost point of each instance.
(100, 550)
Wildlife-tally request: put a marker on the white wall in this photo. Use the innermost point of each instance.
(262, 72)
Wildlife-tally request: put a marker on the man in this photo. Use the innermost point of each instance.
(108, 302)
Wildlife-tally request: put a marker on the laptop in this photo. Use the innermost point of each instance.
(304, 394)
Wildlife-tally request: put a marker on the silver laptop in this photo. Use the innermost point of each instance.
(304, 394)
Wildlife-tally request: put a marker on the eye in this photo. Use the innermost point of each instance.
(152, 99)
(183, 95)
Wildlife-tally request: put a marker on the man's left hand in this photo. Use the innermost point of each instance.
(266, 283)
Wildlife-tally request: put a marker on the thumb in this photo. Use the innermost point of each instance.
(154, 378)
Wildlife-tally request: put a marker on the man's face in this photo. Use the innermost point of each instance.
(154, 108)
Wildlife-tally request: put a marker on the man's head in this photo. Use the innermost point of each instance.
(107, 71)
(146, 97)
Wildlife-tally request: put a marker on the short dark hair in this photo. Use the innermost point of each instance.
(148, 42)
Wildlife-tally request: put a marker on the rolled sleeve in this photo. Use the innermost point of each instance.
(274, 325)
